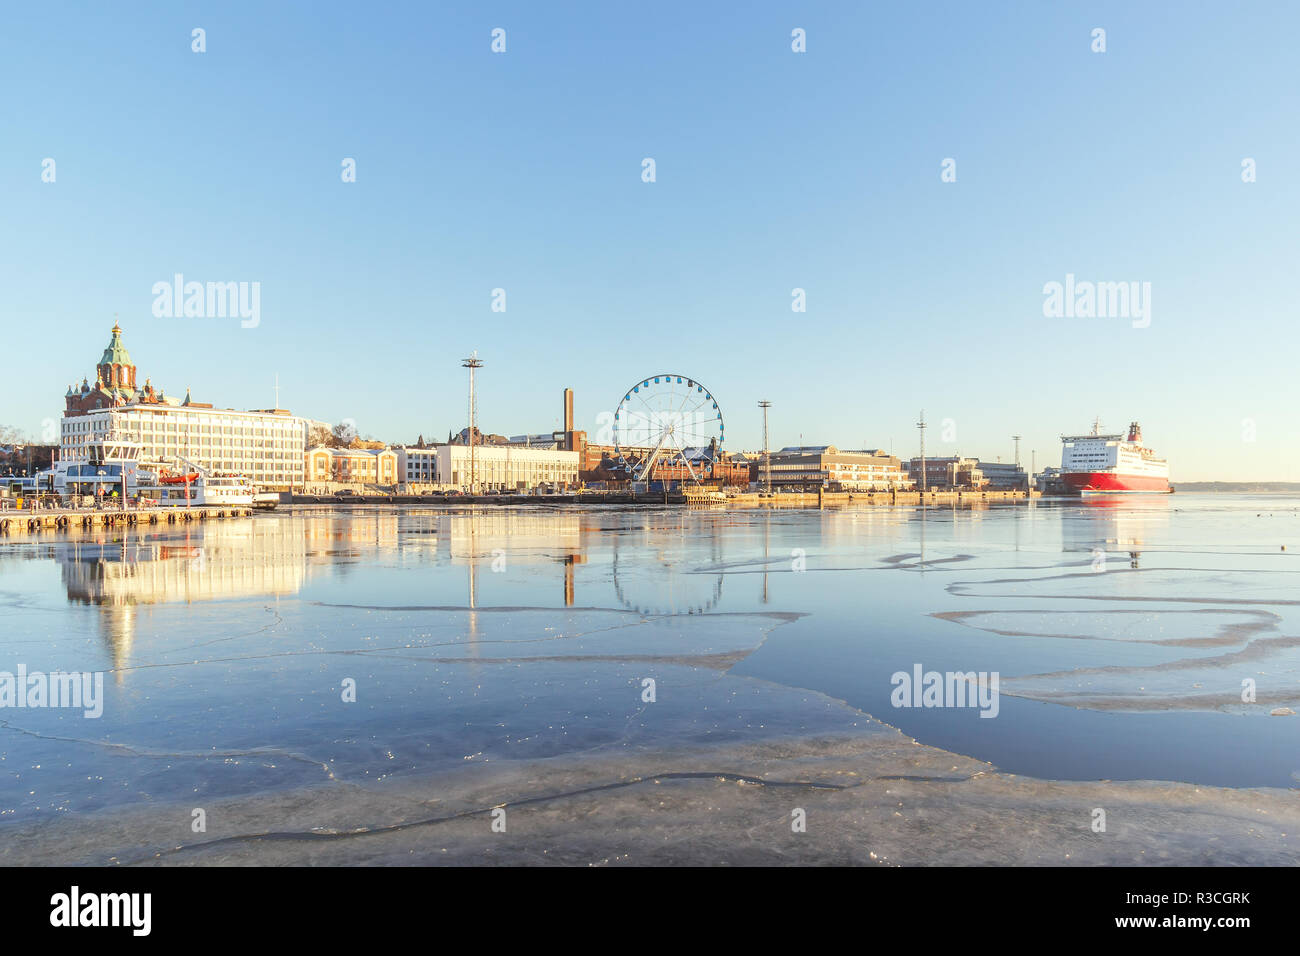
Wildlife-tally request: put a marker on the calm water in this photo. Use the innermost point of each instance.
(1122, 630)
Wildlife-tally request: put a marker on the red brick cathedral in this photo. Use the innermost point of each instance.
(114, 383)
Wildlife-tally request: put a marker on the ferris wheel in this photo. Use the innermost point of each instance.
(663, 417)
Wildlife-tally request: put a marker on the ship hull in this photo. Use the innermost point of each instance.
(1110, 483)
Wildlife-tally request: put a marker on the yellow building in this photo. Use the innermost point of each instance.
(828, 466)
(353, 466)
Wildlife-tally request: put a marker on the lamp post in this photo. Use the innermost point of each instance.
(921, 427)
(471, 363)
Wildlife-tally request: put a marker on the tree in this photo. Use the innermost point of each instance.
(343, 434)
(317, 436)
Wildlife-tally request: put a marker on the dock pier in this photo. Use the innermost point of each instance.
(15, 521)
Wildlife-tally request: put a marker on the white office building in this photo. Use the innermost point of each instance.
(507, 468)
(416, 465)
(267, 445)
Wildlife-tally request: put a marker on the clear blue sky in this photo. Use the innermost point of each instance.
(775, 170)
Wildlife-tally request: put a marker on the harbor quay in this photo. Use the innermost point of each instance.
(665, 441)
(741, 500)
(49, 518)
(14, 521)
(129, 447)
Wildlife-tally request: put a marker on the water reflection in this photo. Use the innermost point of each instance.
(647, 572)
(1117, 523)
(116, 572)
(275, 556)
(529, 631)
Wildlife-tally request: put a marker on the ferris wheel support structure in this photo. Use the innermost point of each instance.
(666, 418)
(646, 467)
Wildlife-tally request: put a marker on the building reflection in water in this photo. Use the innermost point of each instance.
(495, 539)
(276, 555)
(119, 570)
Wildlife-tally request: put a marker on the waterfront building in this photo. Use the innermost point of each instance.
(947, 474)
(508, 467)
(352, 466)
(417, 465)
(827, 466)
(1004, 476)
(266, 446)
(1050, 482)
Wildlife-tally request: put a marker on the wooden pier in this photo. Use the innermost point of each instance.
(14, 521)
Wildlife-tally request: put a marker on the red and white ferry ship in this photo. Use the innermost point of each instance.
(1111, 464)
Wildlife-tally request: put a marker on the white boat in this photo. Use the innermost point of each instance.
(109, 469)
(196, 489)
(114, 469)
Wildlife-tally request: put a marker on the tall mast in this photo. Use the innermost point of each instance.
(921, 427)
(472, 363)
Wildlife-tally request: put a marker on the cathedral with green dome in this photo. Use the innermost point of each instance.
(114, 382)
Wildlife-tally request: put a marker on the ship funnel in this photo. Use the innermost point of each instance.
(1135, 432)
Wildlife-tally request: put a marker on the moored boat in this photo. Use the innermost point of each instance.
(1099, 464)
(114, 470)
(204, 489)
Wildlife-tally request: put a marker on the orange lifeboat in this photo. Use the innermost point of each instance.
(179, 479)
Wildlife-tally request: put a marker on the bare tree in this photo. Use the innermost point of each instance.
(10, 435)
(343, 435)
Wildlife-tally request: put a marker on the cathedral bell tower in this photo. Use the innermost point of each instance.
(115, 369)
